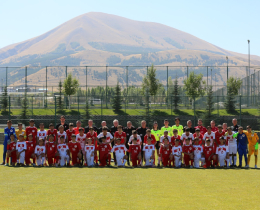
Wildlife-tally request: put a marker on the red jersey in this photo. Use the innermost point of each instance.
(104, 149)
(134, 149)
(214, 129)
(93, 137)
(187, 149)
(165, 151)
(33, 131)
(11, 146)
(121, 136)
(218, 135)
(51, 149)
(208, 151)
(30, 147)
(153, 139)
(201, 141)
(203, 130)
(54, 132)
(173, 138)
(69, 134)
(76, 130)
(74, 147)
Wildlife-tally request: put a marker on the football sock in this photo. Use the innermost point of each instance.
(230, 160)
(235, 160)
(7, 160)
(192, 162)
(109, 159)
(256, 160)
(248, 160)
(159, 160)
(124, 162)
(34, 160)
(43, 160)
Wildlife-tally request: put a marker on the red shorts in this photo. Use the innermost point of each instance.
(135, 160)
(13, 155)
(208, 162)
(187, 160)
(165, 160)
(51, 159)
(28, 156)
(74, 158)
(103, 158)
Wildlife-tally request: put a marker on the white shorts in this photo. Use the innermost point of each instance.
(221, 159)
(232, 149)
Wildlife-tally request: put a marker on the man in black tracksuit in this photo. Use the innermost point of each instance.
(128, 130)
(112, 131)
(141, 131)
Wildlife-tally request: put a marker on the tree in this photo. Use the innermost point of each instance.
(4, 101)
(87, 114)
(208, 116)
(233, 86)
(70, 86)
(24, 112)
(176, 94)
(59, 98)
(150, 82)
(117, 99)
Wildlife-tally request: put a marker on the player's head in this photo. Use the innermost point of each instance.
(78, 124)
(187, 141)
(103, 139)
(177, 120)
(91, 129)
(166, 141)
(21, 137)
(229, 130)
(41, 142)
(222, 140)
(12, 137)
(89, 140)
(61, 128)
(104, 130)
(143, 124)
(73, 137)
(197, 131)
(165, 133)
(166, 122)
(20, 126)
(196, 141)
(249, 129)
(31, 122)
(129, 124)
(234, 121)
(220, 128)
(189, 123)
(148, 132)
(200, 123)
(209, 129)
(71, 126)
(51, 138)
(187, 131)
(90, 123)
(103, 123)
(224, 126)
(175, 132)
(176, 142)
(41, 126)
(120, 128)
(155, 125)
(208, 142)
(9, 123)
(51, 126)
(62, 119)
(118, 141)
(149, 140)
(62, 139)
(212, 123)
(30, 137)
(134, 140)
(134, 132)
(115, 122)
(81, 130)
(240, 129)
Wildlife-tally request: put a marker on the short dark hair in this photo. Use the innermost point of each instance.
(177, 118)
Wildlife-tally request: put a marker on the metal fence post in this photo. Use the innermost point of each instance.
(167, 83)
(32, 105)
(218, 105)
(46, 88)
(78, 109)
(55, 111)
(86, 80)
(194, 110)
(106, 86)
(240, 109)
(101, 107)
(171, 105)
(9, 111)
(207, 76)
(6, 70)
(127, 80)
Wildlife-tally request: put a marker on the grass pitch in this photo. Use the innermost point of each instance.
(127, 188)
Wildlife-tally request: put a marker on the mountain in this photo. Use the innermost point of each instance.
(98, 39)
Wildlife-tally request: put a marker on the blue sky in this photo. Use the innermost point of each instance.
(227, 24)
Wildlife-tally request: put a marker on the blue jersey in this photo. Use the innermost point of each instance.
(7, 133)
(242, 141)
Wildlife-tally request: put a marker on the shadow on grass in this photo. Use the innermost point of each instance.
(120, 112)
(159, 113)
(179, 112)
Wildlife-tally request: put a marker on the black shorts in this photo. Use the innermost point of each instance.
(157, 145)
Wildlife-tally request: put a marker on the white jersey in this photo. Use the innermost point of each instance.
(148, 149)
(42, 134)
(177, 150)
(139, 139)
(62, 149)
(162, 137)
(230, 139)
(21, 146)
(184, 136)
(39, 150)
(198, 150)
(119, 149)
(209, 136)
(89, 149)
(81, 140)
(64, 134)
(108, 136)
(222, 150)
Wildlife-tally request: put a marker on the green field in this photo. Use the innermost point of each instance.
(127, 188)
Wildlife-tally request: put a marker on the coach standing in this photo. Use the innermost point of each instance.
(141, 131)
(128, 130)
(235, 126)
(90, 125)
(62, 122)
(112, 131)
(189, 125)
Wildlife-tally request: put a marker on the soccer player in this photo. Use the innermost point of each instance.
(93, 135)
(128, 130)
(90, 125)
(120, 150)
(106, 134)
(242, 147)
(224, 127)
(213, 126)
(41, 134)
(149, 151)
(165, 152)
(75, 150)
(81, 138)
(218, 134)
(135, 135)
(63, 123)
(149, 134)
(166, 127)
(61, 133)
(51, 149)
(222, 152)
(203, 130)
(187, 135)
(177, 126)
(157, 135)
(40, 153)
(135, 153)
(209, 135)
(174, 137)
(232, 146)
(11, 151)
(104, 152)
(165, 135)
(20, 148)
(63, 151)
(90, 152)
(76, 129)
(200, 136)
(7, 132)
(120, 134)
(52, 131)
(176, 154)
(30, 147)
(187, 150)
(209, 154)
(252, 144)
(198, 154)
(31, 130)
(71, 131)
(20, 131)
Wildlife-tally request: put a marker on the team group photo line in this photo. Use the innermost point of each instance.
(175, 146)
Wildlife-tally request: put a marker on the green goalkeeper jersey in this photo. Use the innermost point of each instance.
(169, 129)
(179, 129)
(156, 133)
